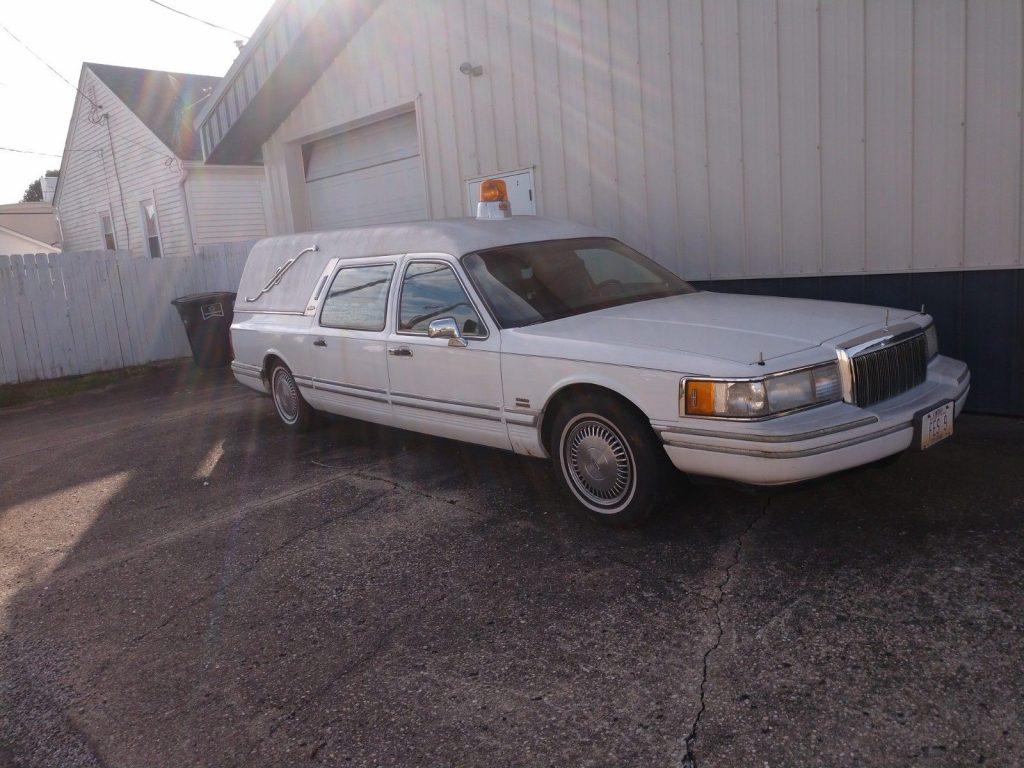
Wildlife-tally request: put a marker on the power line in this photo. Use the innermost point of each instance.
(47, 65)
(196, 18)
(27, 152)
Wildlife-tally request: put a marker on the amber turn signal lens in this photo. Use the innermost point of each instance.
(700, 398)
(493, 191)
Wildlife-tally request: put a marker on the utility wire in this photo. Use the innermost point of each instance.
(47, 64)
(196, 18)
(27, 152)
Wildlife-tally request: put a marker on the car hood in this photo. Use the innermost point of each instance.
(738, 328)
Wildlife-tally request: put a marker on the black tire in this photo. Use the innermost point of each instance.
(292, 408)
(595, 433)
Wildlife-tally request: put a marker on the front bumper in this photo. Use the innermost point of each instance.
(811, 443)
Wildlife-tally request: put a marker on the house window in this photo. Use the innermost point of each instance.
(151, 228)
(107, 232)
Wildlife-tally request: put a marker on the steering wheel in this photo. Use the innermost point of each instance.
(608, 289)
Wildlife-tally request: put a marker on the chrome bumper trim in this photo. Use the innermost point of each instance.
(796, 454)
(793, 438)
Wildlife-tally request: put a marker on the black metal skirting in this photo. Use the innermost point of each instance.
(979, 315)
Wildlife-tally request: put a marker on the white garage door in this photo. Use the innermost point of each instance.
(369, 175)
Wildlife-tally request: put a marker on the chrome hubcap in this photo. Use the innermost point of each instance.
(286, 396)
(598, 463)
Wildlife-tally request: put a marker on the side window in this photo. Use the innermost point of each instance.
(358, 298)
(107, 232)
(151, 228)
(431, 291)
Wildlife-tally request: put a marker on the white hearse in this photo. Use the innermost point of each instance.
(553, 339)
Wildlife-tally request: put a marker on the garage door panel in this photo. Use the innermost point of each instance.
(381, 142)
(383, 194)
(369, 175)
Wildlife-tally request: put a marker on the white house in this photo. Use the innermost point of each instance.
(132, 176)
(35, 222)
(863, 150)
(14, 242)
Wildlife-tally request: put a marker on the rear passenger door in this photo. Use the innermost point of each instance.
(436, 388)
(349, 340)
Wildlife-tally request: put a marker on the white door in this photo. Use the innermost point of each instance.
(368, 175)
(437, 388)
(520, 192)
(349, 340)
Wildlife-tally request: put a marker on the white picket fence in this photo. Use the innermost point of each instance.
(63, 314)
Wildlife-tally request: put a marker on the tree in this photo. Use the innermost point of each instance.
(34, 192)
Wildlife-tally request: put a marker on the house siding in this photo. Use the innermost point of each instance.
(226, 204)
(145, 168)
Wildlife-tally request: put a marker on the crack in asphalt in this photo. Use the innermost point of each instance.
(689, 758)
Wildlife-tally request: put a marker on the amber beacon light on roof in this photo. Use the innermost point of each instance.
(493, 200)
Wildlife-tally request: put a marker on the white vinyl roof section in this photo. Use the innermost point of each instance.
(455, 237)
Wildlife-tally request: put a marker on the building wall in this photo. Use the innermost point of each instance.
(226, 203)
(37, 220)
(726, 139)
(851, 145)
(138, 168)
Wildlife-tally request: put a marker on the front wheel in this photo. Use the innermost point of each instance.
(292, 408)
(608, 458)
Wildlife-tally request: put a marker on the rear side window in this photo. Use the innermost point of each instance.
(358, 298)
(431, 291)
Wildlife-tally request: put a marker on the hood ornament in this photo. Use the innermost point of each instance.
(760, 358)
(885, 322)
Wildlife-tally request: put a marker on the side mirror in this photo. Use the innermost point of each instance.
(446, 328)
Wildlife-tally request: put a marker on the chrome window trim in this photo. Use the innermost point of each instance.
(762, 378)
(413, 259)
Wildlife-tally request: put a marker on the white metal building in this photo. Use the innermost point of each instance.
(132, 176)
(868, 150)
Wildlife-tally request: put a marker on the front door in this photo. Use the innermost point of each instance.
(451, 391)
(349, 342)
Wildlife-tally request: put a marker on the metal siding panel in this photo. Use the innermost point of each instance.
(479, 53)
(502, 65)
(759, 91)
(939, 293)
(573, 104)
(462, 103)
(842, 135)
(658, 128)
(629, 135)
(801, 156)
(993, 137)
(990, 321)
(725, 137)
(690, 136)
(889, 135)
(524, 83)
(551, 171)
(938, 133)
(600, 115)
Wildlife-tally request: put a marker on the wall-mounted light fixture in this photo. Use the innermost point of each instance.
(468, 69)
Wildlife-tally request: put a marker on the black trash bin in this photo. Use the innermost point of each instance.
(207, 318)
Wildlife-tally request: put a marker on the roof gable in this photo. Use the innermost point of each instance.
(165, 102)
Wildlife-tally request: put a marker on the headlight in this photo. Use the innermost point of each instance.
(931, 342)
(758, 398)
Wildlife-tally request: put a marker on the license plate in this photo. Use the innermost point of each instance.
(935, 425)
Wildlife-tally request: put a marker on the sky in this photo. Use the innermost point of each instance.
(36, 104)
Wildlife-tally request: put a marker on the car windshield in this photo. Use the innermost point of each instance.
(533, 283)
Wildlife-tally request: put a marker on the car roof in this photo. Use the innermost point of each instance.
(455, 237)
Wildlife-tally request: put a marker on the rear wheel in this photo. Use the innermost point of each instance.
(609, 459)
(293, 410)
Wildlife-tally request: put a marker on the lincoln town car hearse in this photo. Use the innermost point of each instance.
(553, 339)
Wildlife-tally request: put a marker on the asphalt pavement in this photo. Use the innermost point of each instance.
(183, 582)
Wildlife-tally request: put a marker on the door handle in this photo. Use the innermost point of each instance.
(319, 343)
(400, 352)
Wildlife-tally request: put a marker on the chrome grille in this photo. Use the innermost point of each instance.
(889, 371)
